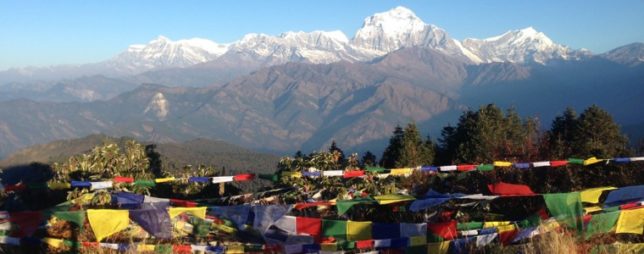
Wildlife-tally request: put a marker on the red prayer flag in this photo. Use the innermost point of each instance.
(446, 230)
(90, 244)
(353, 173)
(243, 177)
(27, 221)
(122, 179)
(506, 237)
(182, 203)
(629, 206)
(465, 167)
(309, 226)
(506, 189)
(15, 187)
(558, 163)
(182, 248)
(364, 244)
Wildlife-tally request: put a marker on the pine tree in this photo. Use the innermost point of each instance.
(561, 135)
(596, 134)
(394, 149)
(337, 152)
(414, 152)
(368, 159)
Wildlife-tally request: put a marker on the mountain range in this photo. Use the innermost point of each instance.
(302, 90)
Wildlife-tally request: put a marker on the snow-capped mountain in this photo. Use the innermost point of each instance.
(520, 46)
(165, 53)
(400, 27)
(380, 34)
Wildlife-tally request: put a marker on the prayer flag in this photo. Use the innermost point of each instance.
(106, 222)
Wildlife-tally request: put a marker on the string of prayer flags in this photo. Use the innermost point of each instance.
(506, 189)
(27, 221)
(630, 221)
(448, 168)
(122, 179)
(485, 167)
(392, 198)
(523, 165)
(243, 177)
(444, 230)
(199, 212)
(401, 171)
(344, 205)
(601, 223)
(353, 173)
(413, 229)
(591, 161)
(624, 195)
(558, 163)
(465, 167)
(156, 221)
(309, 226)
(76, 217)
(334, 228)
(164, 180)
(592, 195)
(222, 179)
(566, 207)
(375, 169)
(502, 164)
(105, 222)
(386, 230)
(538, 164)
(358, 230)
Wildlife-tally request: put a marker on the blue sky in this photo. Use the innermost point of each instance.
(40, 33)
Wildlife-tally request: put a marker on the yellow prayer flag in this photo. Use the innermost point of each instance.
(296, 175)
(502, 164)
(401, 171)
(630, 221)
(629, 247)
(418, 240)
(53, 242)
(196, 211)
(328, 247)
(592, 209)
(358, 230)
(59, 186)
(164, 180)
(493, 224)
(438, 248)
(145, 248)
(505, 228)
(591, 160)
(235, 249)
(592, 195)
(392, 198)
(106, 222)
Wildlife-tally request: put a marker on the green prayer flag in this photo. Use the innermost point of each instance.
(469, 225)
(532, 221)
(344, 205)
(72, 244)
(346, 245)
(269, 177)
(334, 228)
(375, 169)
(611, 209)
(163, 248)
(601, 223)
(145, 183)
(576, 161)
(485, 167)
(566, 208)
(76, 217)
